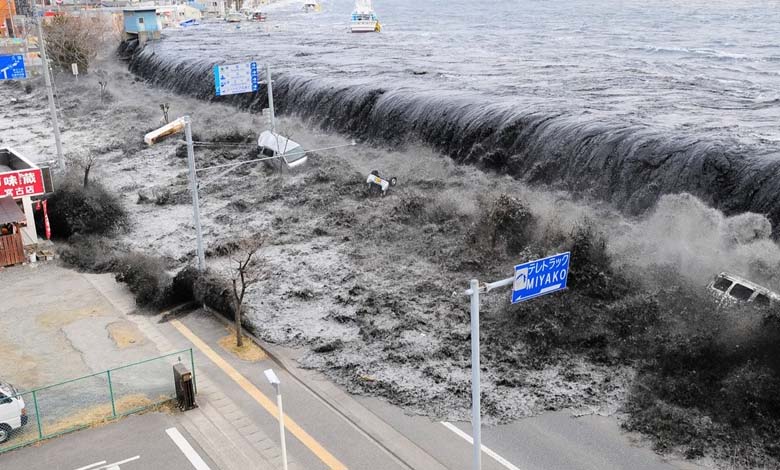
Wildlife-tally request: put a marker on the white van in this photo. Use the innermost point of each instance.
(13, 414)
(731, 287)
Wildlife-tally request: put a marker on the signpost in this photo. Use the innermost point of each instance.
(531, 279)
(540, 277)
(236, 78)
(12, 67)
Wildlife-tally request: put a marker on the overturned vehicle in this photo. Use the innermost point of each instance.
(284, 152)
(731, 288)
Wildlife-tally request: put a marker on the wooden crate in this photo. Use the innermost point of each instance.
(11, 250)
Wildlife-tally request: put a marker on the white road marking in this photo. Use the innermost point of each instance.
(102, 465)
(187, 449)
(115, 465)
(92, 466)
(506, 463)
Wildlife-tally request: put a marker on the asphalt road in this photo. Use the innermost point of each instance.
(552, 441)
(141, 442)
(549, 442)
(336, 435)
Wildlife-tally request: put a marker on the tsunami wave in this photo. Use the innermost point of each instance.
(627, 164)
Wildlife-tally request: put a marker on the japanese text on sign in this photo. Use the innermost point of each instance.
(21, 183)
(236, 78)
(12, 67)
(540, 277)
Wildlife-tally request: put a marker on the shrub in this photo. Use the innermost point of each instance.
(505, 227)
(89, 253)
(74, 209)
(207, 288)
(146, 278)
(590, 268)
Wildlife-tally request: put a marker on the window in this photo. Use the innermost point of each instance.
(741, 292)
(762, 300)
(140, 21)
(722, 284)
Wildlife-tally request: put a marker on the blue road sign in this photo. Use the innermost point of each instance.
(236, 78)
(540, 277)
(12, 67)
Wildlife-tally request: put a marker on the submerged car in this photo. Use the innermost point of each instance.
(731, 287)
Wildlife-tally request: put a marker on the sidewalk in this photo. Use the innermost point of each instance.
(230, 438)
(236, 422)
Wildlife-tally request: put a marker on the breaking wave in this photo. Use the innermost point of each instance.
(627, 164)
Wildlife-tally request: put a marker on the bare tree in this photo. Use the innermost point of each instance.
(246, 271)
(103, 83)
(77, 39)
(85, 161)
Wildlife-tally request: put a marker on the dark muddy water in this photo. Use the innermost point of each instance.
(622, 100)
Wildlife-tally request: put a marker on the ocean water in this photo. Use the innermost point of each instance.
(711, 68)
(623, 101)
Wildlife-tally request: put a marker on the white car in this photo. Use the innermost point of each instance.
(732, 288)
(13, 413)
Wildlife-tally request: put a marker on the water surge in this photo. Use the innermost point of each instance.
(627, 164)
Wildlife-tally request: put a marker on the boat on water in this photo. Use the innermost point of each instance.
(311, 6)
(234, 17)
(364, 19)
(258, 15)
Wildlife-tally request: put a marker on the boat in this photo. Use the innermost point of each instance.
(276, 145)
(258, 15)
(311, 6)
(234, 17)
(364, 19)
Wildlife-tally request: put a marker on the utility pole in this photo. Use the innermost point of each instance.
(270, 97)
(176, 126)
(194, 191)
(49, 90)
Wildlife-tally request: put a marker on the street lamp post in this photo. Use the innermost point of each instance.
(274, 380)
(185, 123)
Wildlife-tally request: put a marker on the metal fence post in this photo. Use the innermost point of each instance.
(192, 368)
(111, 392)
(37, 415)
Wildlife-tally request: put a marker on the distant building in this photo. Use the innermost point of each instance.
(172, 15)
(141, 23)
(7, 12)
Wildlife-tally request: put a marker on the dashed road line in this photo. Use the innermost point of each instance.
(506, 463)
(186, 449)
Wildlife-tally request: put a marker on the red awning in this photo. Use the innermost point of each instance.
(10, 212)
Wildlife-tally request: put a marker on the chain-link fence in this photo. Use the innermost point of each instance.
(30, 416)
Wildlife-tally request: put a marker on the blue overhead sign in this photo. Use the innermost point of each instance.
(540, 277)
(236, 78)
(12, 67)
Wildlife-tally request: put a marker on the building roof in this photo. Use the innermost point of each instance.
(10, 212)
(138, 9)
